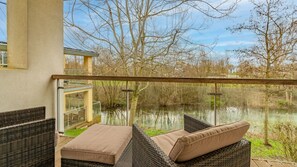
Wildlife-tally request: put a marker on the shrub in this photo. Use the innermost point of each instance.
(286, 133)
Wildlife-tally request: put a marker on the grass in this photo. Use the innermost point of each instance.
(154, 132)
(150, 132)
(74, 132)
(259, 150)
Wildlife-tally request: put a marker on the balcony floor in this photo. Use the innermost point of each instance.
(254, 163)
(62, 141)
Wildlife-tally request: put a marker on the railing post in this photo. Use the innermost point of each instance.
(215, 104)
(127, 91)
(215, 94)
(127, 102)
(60, 105)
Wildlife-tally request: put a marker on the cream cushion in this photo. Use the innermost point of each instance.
(99, 143)
(167, 141)
(207, 140)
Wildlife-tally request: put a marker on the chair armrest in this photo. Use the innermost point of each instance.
(191, 124)
(145, 151)
(28, 144)
(21, 116)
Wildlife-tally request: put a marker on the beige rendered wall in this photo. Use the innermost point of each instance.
(88, 96)
(42, 38)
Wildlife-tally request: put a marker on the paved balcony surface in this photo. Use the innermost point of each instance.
(254, 163)
(62, 141)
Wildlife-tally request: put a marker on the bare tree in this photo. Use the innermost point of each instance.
(274, 23)
(141, 33)
(109, 92)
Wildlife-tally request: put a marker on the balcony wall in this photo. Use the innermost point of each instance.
(32, 86)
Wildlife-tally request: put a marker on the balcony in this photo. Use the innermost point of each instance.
(164, 100)
(79, 99)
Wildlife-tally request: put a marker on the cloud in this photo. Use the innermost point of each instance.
(235, 43)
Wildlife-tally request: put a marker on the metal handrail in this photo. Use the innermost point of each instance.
(180, 80)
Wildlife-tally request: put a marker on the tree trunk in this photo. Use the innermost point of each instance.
(133, 108)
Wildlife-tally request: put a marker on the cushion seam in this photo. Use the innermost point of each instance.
(183, 147)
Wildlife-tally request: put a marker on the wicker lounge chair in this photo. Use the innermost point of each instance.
(147, 153)
(27, 138)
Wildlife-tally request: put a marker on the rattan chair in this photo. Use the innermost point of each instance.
(27, 138)
(146, 152)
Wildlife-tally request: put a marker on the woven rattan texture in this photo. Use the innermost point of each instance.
(28, 144)
(147, 153)
(21, 116)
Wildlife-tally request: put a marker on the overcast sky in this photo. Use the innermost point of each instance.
(214, 32)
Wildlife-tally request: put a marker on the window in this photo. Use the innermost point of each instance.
(3, 34)
(3, 59)
(3, 21)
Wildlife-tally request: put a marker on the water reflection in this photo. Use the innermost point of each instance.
(170, 119)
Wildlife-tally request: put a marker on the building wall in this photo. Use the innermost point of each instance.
(32, 86)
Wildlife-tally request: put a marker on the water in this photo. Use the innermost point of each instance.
(170, 119)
